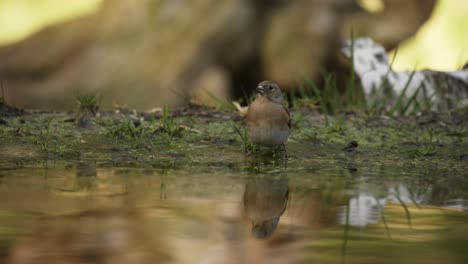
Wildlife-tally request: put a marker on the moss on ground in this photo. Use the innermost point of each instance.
(197, 134)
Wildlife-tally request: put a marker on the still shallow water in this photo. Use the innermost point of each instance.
(263, 211)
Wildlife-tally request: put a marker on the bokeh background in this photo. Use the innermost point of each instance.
(148, 53)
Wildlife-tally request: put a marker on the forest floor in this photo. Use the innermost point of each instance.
(194, 136)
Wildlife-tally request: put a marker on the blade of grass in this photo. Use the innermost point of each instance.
(345, 235)
(315, 91)
(411, 196)
(401, 97)
(222, 102)
(301, 89)
(411, 100)
(378, 106)
(384, 220)
(408, 215)
(293, 96)
(352, 80)
(246, 97)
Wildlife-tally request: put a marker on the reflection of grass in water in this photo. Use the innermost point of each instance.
(430, 240)
(384, 220)
(345, 236)
(19, 18)
(407, 212)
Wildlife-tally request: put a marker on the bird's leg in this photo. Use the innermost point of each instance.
(283, 146)
(280, 149)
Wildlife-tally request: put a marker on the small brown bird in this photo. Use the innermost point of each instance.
(268, 120)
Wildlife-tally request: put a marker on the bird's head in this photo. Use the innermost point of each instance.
(271, 91)
(264, 229)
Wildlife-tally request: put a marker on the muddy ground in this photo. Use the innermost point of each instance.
(195, 135)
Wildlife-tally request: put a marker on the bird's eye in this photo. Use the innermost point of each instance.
(270, 88)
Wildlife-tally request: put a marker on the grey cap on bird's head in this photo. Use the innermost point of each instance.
(265, 229)
(270, 90)
(266, 86)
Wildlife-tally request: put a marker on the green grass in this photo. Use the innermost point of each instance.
(242, 132)
(126, 129)
(138, 132)
(44, 138)
(168, 128)
(53, 138)
(330, 99)
(327, 98)
(221, 103)
(88, 102)
(167, 124)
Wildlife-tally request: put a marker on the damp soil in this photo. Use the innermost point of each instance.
(193, 136)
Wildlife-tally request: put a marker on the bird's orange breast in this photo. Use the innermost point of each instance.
(267, 122)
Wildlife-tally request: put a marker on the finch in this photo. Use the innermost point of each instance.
(268, 120)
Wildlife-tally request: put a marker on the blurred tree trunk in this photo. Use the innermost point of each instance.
(140, 52)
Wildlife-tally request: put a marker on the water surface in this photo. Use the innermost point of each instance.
(233, 210)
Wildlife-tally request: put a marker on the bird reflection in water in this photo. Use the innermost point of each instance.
(265, 200)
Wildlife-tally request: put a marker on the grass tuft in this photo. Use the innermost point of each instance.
(88, 102)
(248, 147)
(127, 129)
(168, 127)
(331, 99)
(44, 138)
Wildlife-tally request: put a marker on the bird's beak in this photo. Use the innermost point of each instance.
(261, 90)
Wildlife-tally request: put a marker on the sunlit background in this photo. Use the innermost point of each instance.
(20, 18)
(441, 44)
